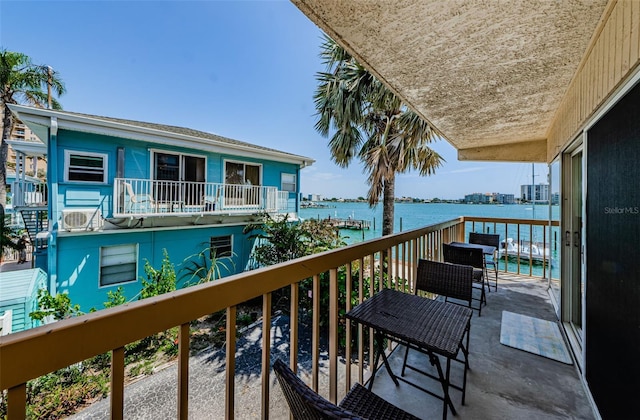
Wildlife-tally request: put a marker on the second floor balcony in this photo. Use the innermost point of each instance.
(146, 197)
(28, 194)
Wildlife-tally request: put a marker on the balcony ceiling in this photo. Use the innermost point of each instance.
(489, 75)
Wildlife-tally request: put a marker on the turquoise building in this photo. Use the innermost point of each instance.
(18, 298)
(119, 193)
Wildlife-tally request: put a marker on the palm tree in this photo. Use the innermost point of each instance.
(21, 81)
(369, 121)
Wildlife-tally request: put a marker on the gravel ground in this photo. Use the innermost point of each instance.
(154, 396)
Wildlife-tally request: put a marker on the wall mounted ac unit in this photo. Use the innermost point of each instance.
(81, 219)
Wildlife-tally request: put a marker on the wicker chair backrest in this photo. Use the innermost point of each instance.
(491, 239)
(463, 255)
(451, 280)
(303, 402)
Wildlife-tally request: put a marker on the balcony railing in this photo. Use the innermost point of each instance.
(529, 247)
(28, 194)
(145, 197)
(354, 270)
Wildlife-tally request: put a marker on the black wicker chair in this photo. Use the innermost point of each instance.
(473, 257)
(448, 280)
(491, 239)
(359, 403)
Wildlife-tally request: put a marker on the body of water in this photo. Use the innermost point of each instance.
(414, 215)
(410, 216)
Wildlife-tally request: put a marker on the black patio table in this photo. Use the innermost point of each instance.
(486, 249)
(432, 327)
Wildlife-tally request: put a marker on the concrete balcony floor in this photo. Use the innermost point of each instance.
(504, 382)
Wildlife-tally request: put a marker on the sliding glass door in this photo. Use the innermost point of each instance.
(184, 177)
(573, 245)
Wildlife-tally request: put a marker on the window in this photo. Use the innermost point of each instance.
(288, 182)
(242, 173)
(85, 167)
(167, 167)
(221, 246)
(118, 264)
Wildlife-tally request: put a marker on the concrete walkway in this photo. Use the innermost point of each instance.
(7, 266)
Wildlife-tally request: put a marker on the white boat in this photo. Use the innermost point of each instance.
(524, 250)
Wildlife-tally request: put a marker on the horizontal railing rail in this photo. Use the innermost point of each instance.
(147, 197)
(357, 271)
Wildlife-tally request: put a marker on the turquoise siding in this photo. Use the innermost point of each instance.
(78, 257)
(18, 293)
(138, 165)
(74, 260)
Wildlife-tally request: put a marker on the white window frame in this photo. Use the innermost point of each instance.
(152, 161)
(134, 260)
(67, 165)
(284, 182)
(245, 163)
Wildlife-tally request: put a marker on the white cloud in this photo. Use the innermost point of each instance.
(463, 170)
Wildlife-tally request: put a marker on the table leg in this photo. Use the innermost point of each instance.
(444, 381)
(465, 354)
(380, 351)
(386, 361)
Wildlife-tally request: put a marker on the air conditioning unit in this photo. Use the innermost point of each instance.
(81, 219)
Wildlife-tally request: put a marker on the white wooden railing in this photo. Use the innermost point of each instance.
(154, 197)
(28, 194)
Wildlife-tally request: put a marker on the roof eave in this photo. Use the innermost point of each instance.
(117, 129)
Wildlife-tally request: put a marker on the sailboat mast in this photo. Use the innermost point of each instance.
(533, 191)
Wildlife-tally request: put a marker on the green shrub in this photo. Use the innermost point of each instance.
(58, 306)
(61, 393)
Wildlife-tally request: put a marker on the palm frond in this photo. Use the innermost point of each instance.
(370, 121)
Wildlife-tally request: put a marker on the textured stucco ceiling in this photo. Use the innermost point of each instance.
(484, 73)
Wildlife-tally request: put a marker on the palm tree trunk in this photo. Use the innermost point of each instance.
(388, 198)
(7, 122)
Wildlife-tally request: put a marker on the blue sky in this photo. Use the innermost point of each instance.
(241, 69)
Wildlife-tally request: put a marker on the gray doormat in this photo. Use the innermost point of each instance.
(534, 335)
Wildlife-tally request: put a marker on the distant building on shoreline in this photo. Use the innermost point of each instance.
(489, 198)
(538, 193)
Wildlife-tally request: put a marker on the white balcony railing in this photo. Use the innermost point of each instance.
(28, 194)
(145, 197)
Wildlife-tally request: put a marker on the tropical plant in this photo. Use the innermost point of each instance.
(369, 121)
(158, 281)
(115, 298)
(205, 266)
(21, 81)
(8, 238)
(58, 306)
(282, 240)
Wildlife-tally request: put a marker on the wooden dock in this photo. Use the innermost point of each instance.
(352, 224)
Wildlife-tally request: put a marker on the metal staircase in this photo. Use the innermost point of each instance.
(35, 221)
